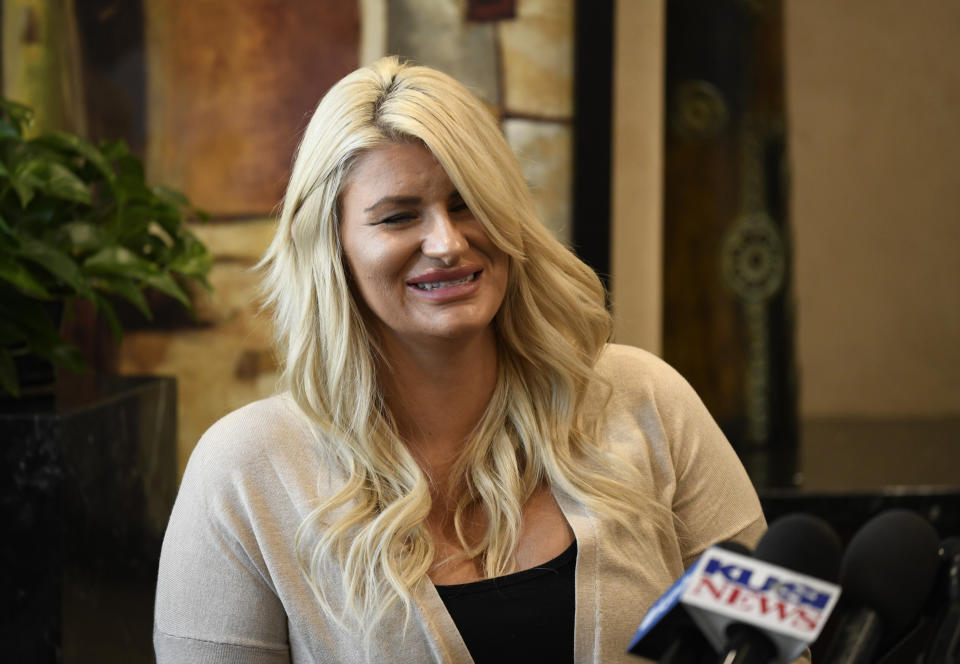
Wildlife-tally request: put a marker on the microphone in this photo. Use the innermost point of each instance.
(886, 575)
(945, 648)
(725, 587)
(809, 550)
(667, 633)
(803, 543)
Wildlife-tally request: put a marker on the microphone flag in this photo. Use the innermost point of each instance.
(724, 587)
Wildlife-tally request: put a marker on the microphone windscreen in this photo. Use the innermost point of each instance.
(890, 566)
(802, 543)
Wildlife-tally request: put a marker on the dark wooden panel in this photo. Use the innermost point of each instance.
(727, 316)
(593, 107)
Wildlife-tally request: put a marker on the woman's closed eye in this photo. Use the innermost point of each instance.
(457, 205)
(399, 218)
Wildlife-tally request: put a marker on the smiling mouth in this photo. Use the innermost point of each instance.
(435, 285)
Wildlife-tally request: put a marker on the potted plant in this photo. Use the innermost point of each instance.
(78, 221)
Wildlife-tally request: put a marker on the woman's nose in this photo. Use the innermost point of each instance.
(444, 240)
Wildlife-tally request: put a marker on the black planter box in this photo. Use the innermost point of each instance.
(88, 481)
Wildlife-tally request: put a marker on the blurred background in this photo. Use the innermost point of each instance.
(769, 188)
(864, 96)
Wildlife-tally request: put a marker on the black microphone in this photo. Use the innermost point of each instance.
(801, 543)
(674, 638)
(886, 575)
(945, 648)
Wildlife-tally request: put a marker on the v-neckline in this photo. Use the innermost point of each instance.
(446, 636)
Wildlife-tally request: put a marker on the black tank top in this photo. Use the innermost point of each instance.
(522, 617)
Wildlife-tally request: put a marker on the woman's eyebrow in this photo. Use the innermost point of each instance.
(400, 200)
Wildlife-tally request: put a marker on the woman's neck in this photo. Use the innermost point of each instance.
(437, 394)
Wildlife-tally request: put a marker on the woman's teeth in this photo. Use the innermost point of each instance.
(433, 285)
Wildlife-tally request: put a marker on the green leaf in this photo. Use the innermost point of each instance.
(166, 217)
(40, 333)
(39, 173)
(13, 118)
(196, 267)
(13, 272)
(171, 196)
(106, 309)
(43, 212)
(167, 284)
(129, 167)
(122, 262)
(8, 374)
(135, 220)
(80, 146)
(21, 115)
(82, 236)
(23, 188)
(126, 289)
(193, 260)
(63, 183)
(56, 263)
(114, 149)
(8, 130)
(64, 355)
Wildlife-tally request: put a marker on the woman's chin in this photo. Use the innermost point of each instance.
(442, 333)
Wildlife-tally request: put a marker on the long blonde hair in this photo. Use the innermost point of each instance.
(551, 329)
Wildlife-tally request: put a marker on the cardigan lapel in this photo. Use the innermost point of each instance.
(587, 620)
(447, 643)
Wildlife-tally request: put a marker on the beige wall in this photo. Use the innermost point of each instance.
(637, 201)
(873, 102)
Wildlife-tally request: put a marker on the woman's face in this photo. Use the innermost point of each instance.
(420, 260)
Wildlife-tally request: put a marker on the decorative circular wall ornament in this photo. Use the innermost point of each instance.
(699, 109)
(753, 260)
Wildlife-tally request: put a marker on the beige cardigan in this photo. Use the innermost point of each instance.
(230, 590)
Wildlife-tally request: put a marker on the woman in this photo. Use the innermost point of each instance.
(459, 467)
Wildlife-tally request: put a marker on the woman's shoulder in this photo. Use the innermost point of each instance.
(268, 436)
(227, 561)
(634, 370)
(646, 387)
(626, 358)
(256, 427)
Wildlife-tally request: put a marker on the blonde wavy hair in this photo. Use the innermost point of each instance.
(551, 329)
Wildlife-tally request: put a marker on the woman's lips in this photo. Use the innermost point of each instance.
(433, 285)
(445, 276)
(446, 283)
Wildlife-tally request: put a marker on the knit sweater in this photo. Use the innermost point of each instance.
(230, 589)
